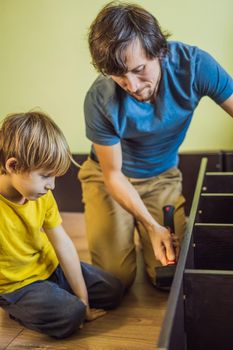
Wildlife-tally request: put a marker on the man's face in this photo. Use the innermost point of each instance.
(143, 76)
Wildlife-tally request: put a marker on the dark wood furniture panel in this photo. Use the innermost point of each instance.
(213, 246)
(208, 309)
(218, 182)
(68, 192)
(215, 208)
(227, 161)
(200, 305)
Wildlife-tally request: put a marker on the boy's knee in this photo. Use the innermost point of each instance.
(71, 318)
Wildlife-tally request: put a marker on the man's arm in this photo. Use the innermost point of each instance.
(228, 105)
(110, 158)
(70, 263)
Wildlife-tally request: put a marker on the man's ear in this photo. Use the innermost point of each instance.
(11, 165)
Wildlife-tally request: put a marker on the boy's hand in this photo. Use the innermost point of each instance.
(93, 314)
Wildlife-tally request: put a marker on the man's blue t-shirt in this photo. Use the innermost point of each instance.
(150, 134)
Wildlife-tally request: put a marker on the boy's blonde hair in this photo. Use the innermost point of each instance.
(36, 142)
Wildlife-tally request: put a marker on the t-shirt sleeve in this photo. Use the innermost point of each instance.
(98, 123)
(52, 215)
(211, 79)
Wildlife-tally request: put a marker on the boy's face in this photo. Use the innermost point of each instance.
(143, 76)
(32, 185)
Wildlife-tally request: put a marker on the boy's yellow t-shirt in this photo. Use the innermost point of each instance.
(26, 255)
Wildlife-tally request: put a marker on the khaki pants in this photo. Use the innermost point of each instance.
(110, 228)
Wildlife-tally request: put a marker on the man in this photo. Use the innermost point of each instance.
(137, 113)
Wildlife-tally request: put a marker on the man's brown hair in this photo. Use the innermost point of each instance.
(115, 27)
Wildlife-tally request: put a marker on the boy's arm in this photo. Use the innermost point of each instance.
(70, 263)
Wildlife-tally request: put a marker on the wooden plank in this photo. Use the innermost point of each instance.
(208, 309)
(213, 246)
(172, 334)
(208, 244)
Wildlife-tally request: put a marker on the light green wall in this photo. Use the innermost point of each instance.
(44, 60)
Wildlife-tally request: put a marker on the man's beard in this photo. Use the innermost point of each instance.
(143, 96)
(150, 94)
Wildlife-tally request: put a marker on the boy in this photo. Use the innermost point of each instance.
(43, 285)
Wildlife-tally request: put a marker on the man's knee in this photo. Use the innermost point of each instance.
(180, 218)
(125, 275)
(125, 272)
(114, 293)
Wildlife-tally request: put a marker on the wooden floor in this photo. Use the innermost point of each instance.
(135, 325)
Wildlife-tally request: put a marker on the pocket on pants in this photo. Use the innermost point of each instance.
(172, 174)
(90, 171)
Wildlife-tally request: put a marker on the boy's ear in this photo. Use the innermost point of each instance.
(11, 165)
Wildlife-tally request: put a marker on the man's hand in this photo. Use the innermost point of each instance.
(176, 245)
(165, 245)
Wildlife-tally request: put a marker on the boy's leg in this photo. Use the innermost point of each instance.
(51, 307)
(157, 192)
(45, 307)
(110, 228)
(104, 290)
